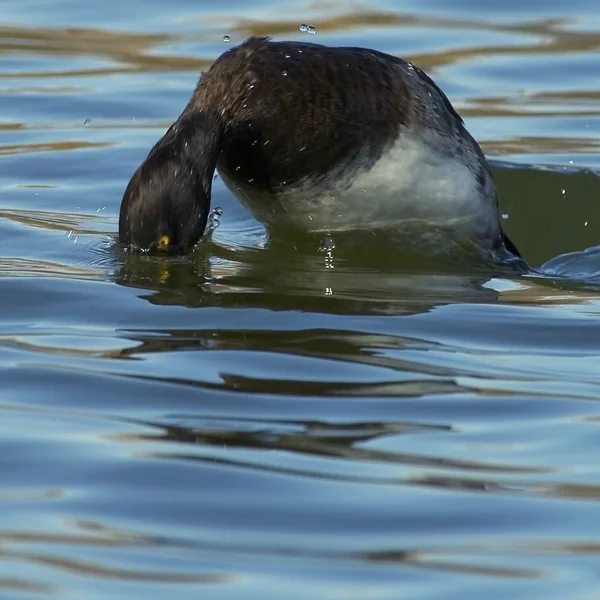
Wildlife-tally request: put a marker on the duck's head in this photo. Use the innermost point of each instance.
(166, 204)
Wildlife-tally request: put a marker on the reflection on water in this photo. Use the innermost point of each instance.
(288, 276)
(281, 418)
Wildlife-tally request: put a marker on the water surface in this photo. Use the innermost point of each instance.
(271, 420)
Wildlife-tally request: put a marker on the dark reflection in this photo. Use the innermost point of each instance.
(23, 267)
(320, 439)
(24, 586)
(81, 568)
(262, 385)
(61, 146)
(413, 379)
(132, 51)
(358, 275)
(76, 223)
(90, 535)
(422, 559)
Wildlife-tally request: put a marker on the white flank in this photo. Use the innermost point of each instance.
(411, 182)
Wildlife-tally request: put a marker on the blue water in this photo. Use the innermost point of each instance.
(268, 420)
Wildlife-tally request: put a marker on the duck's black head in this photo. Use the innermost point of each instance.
(167, 201)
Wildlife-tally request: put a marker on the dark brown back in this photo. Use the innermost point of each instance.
(295, 110)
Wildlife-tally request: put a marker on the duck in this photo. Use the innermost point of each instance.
(318, 139)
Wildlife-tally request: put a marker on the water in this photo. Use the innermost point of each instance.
(308, 418)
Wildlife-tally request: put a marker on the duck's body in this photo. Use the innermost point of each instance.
(317, 138)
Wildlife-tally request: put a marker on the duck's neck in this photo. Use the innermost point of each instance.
(194, 144)
(169, 195)
(195, 139)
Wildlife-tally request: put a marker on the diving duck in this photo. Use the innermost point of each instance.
(320, 139)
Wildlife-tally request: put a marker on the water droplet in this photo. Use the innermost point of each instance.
(328, 246)
(284, 73)
(251, 180)
(87, 122)
(304, 28)
(585, 224)
(213, 218)
(226, 39)
(563, 192)
(571, 162)
(288, 55)
(505, 216)
(327, 243)
(238, 168)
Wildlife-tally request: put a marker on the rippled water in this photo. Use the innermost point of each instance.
(265, 419)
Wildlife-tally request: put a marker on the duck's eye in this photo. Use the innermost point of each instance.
(163, 242)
